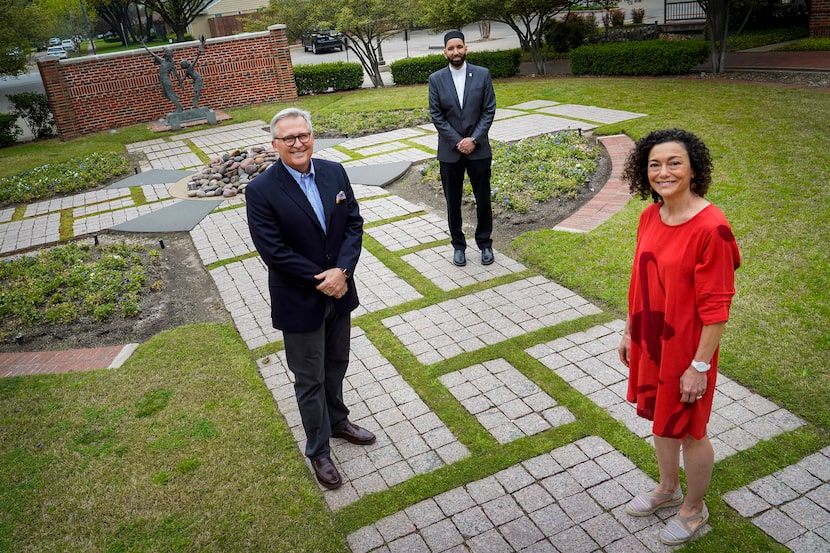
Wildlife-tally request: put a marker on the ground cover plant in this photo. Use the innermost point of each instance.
(74, 175)
(183, 448)
(67, 283)
(532, 171)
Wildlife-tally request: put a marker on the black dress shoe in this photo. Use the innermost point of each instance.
(487, 256)
(355, 434)
(459, 259)
(327, 473)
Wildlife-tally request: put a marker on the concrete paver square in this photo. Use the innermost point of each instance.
(400, 449)
(504, 401)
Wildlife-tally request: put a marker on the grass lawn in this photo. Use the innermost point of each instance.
(183, 449)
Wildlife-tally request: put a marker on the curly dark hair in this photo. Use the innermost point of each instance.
(635, 172)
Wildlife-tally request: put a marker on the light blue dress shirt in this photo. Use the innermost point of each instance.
(309, 188)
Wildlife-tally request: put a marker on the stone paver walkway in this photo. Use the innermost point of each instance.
(568, 499)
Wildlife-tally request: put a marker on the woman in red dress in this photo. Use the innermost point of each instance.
(681, 289)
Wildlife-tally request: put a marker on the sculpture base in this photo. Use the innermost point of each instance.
(164, 125)
(177, 118)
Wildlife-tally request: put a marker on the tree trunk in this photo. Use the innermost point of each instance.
(717, 26)
(484, 29)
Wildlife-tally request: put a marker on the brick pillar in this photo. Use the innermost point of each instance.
(820, 18)
(282, 55)
(54, 84)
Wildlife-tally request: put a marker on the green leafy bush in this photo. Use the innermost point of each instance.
(319, 78)
(34, 108)
(58, 178)
(649, 57)
(501, 64)
(533, 170)
(69, 283)
(755, 38)
(9, 131)
(363, 123)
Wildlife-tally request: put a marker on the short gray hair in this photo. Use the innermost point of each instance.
(288, 113)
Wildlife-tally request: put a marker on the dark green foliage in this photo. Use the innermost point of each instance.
(564, 36)
(318, 78)
(9, 131)
(651, 57)
(501, 64)
(34, 108)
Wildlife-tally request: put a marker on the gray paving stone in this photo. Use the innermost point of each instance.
(454, 501)
(489, 542)
(747, 503)
(573, 540)
(472, 522)
(502, 509)
(521, 532)
(424, 513)
(778, 526)
(442, 535)
(773, 491)
(809, 543)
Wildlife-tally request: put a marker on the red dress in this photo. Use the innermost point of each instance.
(683, 278)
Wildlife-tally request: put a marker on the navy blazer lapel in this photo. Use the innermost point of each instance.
(294, 193)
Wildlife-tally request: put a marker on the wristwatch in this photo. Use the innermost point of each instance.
(347, 273)
(701, 366)
(475, 142)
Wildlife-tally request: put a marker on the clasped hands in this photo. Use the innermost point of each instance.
(333, 283)
(466, 145)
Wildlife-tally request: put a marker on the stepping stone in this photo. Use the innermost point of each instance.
(377, 175)
(154, 176)
(179, 217)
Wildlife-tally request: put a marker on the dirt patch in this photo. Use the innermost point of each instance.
(188, 296)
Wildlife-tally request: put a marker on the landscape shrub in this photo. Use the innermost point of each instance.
(502, 64)
(9, 131)
(637, 15)
(335, 76)
(649, 57)
(33, 107)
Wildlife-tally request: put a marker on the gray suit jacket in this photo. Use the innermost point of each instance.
(454, 123)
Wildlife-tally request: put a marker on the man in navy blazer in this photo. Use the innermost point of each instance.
(306, 226)
(462, 104)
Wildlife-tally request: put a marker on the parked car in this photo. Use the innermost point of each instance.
(56, 51)
(68, 45)
(320, 41)
(54, 41)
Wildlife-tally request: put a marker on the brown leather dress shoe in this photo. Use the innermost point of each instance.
(327, 473)
(355, 434)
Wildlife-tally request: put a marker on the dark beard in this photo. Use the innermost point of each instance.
(458, 63)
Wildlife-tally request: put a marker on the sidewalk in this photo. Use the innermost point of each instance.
(569, 499)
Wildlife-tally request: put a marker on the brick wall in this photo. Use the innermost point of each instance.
(98, 93)
(820, 18)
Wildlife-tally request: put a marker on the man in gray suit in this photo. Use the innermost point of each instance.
(462, 104)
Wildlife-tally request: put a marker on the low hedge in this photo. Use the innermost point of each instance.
(648, 57)
(318, 78)
(501, 64)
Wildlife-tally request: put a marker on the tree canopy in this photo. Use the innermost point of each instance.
(19, 31)
(178, 13)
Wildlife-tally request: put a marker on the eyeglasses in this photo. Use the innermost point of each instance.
(290, 140)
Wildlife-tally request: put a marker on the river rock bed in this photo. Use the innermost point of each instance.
(228, 175)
